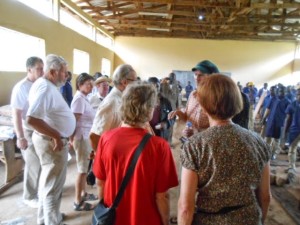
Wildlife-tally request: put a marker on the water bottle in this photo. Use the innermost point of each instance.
(185, 136)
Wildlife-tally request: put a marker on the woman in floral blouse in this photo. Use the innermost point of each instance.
(226, 165)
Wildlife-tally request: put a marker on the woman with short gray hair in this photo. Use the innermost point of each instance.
(145, 200)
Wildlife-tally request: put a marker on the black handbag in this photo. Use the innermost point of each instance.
(104, 215)
(90, 177)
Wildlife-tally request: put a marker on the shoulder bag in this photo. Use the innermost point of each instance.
(90, 177)
(106, 215)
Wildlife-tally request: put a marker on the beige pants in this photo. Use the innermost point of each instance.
(52, 179)
(82, 149)
(32, 169)
(292, 155)
(274, 143)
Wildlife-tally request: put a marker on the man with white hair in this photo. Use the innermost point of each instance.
(53, 122)
(19, 104)
(108, 115)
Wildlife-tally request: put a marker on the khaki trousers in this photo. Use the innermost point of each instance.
(52, 179)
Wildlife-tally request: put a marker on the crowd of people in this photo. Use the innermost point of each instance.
(225, 174)
(277, 112)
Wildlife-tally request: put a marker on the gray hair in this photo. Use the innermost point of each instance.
(121, 73)
(54, 62)
(137, 102)
(32, 61)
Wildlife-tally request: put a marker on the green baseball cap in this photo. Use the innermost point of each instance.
(206, 67)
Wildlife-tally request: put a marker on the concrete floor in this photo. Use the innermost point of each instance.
(14, 212)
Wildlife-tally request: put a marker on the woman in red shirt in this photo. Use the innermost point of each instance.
(145, 200)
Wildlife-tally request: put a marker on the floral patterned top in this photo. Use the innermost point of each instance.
(229, 161)
(195, 114)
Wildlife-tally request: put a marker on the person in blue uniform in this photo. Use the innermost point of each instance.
(274, 117)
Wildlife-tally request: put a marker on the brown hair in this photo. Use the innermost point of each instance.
(220, 96)
(137, 102)
(83, 77)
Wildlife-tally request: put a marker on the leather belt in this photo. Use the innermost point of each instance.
(47, 137)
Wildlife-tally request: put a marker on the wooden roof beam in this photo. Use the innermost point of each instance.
(274, 5)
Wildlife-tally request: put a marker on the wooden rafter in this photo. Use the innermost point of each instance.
(237, 19)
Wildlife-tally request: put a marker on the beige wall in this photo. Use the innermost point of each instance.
(246, 60)
(59, 40)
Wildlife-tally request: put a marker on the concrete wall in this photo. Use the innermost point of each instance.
(246, 60)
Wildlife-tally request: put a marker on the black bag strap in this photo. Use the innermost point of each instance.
(90, 165)
(130, 170)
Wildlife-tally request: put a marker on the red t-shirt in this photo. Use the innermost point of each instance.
(155, 172)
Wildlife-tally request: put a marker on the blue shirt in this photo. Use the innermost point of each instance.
(252, 94)
(277, 110)
(294, 111)
(276, 117)
(67, 92)
(261, 91)
(188, 90)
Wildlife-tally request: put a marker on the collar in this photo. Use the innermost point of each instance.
(82, 95)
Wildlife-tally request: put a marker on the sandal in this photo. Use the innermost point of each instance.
(173, 220)
(83, 206)
(89, 197)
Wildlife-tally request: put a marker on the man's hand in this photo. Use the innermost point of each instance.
(22, 143)
(92, 155)
(58, 144)
(175, 113)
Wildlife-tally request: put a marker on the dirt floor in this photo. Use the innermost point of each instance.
(14, 212)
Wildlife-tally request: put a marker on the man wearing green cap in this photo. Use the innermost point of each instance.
(193, 112)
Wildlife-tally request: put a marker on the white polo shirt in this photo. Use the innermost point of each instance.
(47, 103)
(81, 105)
(19, 98)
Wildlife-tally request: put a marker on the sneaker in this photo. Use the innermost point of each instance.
(33, 203)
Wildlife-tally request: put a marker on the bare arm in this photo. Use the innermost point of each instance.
(77, 117)
(265, 116)
(163, 205)
(263, 193)
(180, 114)
(17, 121)
(186, 203)
(42, 127)
(94, 139)
(100, 188)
